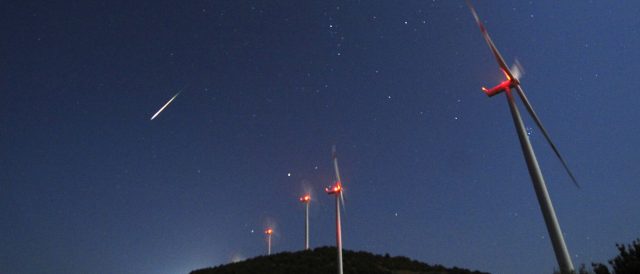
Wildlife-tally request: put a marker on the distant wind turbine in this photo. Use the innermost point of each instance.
(512, 82)
(306, 199)
(268, 232)
(337, 190)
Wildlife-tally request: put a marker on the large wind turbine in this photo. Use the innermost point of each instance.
(512, 82)
(336, 189)
(306, 199)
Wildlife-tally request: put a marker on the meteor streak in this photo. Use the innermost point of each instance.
(165, 105)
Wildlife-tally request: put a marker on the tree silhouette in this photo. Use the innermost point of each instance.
(627, 261)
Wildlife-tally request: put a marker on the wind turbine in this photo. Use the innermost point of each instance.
(268, 232)
(512, 82)
(306, 199)
(336, 189)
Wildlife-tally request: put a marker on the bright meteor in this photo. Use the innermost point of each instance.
(165, 105)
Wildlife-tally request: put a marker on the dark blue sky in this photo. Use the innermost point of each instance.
(432, 167)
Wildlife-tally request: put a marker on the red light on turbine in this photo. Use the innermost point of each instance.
(505, 85)
(305, 198)
(334, 189)
(268, 231)
(506, 74)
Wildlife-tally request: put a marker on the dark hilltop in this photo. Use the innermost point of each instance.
(323, 260)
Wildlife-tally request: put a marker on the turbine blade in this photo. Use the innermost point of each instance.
(334, 156)
(535, 117)
(487, 38)
(518, 70)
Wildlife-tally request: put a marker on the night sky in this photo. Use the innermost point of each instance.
(432, 168)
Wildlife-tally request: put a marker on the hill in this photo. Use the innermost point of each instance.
(323, 260)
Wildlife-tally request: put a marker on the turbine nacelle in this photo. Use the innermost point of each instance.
(305, 199)
(505, 85)
(335, 189)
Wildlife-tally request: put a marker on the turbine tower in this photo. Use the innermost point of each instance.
(512, 82)
(306, 199)
(268, 232)
(336, 189)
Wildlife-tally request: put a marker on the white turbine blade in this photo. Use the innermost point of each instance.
(165, 105)
(517, 70)
(334, 155)
(487, 38)
(536, 119)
